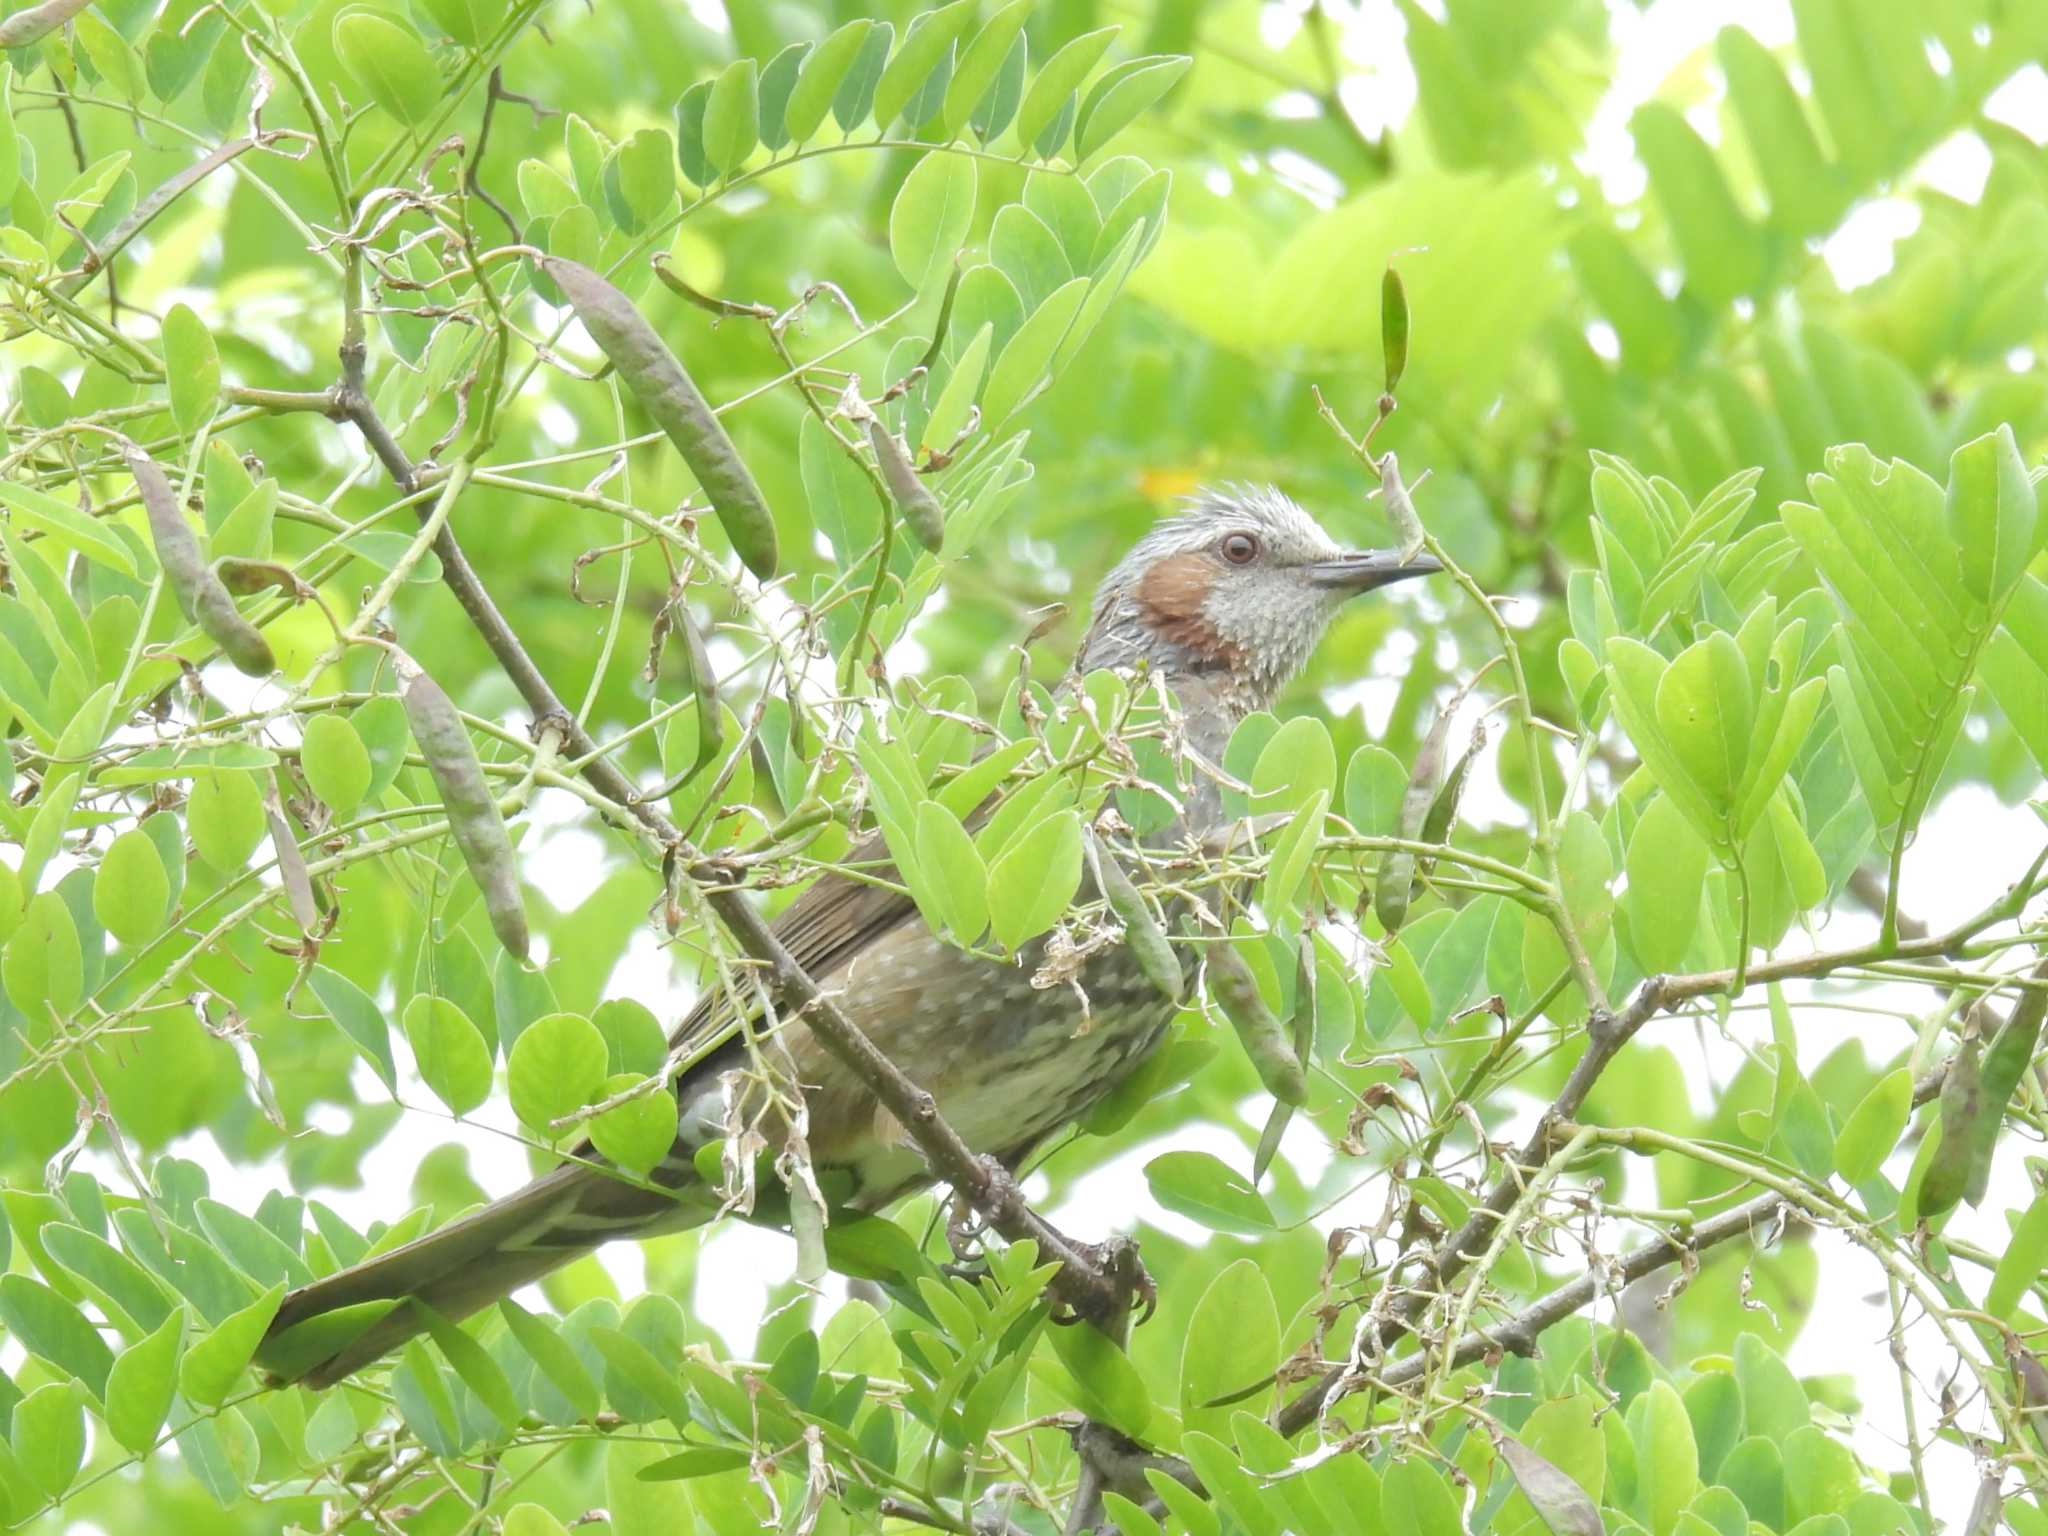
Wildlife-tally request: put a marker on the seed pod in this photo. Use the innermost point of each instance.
(473, 814)
(1555, 1496)
(2030, 1382)
(1264, 1039)
(1961, 1110)
(26, 26)
(1304, 1027)
(920, 508)
(703, 685)
(657, 379)
(199, 593)
(244, 578)
(1393, 327)
(1981, 1080)
(1397, 870)
(291, 867)
(1147, 940)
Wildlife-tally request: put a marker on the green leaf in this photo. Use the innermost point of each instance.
(856, 93)
(929, 220)
(557, 1065)
(558, 1363)
(1773, 1402)
(1667, 1460)
(1033, 881)
(1874, 1127)
(1293, 852)
(1991, 512)
(142, 1383)
(632, 1036)
(691, 156)
(820, 77)
(531, 1520)
(1021, 367)
(1667, 868)
(450, 1052)
(335, 761)
(979, 63)
(1206, 1190)
(132, 894)
(1111, 1389)
(1114, 102)
(637, 1505)
(2022, 1264)
(732, 116)
(1416, 1500)
(474, 1364)
(49, 1437)
(1704, 708)
(639, 1133)
(468, 22)
(358, 1017)
(215, 1363)
(925, 45)
(778, 83)
(1233, 1340)
(949, 412)
(47, 1325)
(66, 525)
(191, 368)
(391, 65)
(641, 180)
(953, 868)
(1052, 92)
(43, 969)
(224, 814)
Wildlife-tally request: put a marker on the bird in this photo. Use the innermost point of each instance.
(1224, 601)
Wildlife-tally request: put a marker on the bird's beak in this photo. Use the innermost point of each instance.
(1363, 570)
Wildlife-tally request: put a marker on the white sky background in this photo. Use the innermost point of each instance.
(1971, 848)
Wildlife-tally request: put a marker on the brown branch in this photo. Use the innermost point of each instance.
(1607, 1034)
(1092, 1290)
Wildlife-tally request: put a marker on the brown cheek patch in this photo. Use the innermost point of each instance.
(1172, 596)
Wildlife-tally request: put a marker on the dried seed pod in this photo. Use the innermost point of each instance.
(1258, 1030)
(291, 866)
(920, 508)
(245, 578)
(473, 814)
(1147, 940)
(198, 591)
(651, 371)
(1397, 870)
(26, 26)
(1558, 1500)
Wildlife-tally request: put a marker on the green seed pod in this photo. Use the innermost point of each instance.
(920, 508)
(199, 593)
(1393, 327)
(1262, 1035)
(703, 684)
(473, 814)
(1981, 1080)
(657, 379)
(1147, 940)
(1304, 1027)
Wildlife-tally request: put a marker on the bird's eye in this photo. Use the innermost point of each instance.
(1240, 548)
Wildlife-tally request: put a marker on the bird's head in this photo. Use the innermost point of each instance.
(1236, 590)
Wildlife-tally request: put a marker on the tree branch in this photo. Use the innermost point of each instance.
(1093, 1290)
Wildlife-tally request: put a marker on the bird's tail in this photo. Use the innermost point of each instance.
(326, 1331)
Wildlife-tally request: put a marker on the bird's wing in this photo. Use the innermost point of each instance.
(823, 929)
